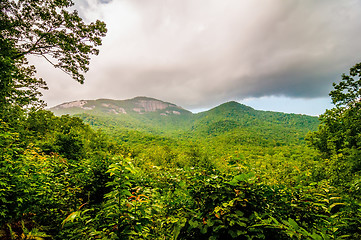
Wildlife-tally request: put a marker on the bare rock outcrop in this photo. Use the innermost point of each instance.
(79, 104)
(152, 105)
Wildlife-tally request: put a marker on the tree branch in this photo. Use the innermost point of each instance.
(54, 65)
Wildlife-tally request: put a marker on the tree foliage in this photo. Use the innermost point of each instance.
(44, 28)
(347, 92)
(339, 134)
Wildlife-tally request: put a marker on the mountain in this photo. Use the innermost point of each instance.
(230, 121)
(235, 123)
(245, 116)
(140, 113)
(138, 105)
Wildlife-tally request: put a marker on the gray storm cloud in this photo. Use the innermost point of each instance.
(201, 52)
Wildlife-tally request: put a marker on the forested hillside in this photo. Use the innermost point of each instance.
(149, 115)
(148, 169)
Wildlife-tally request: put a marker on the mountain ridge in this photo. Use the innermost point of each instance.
(228, 105)
(139, 105)
(150, 115)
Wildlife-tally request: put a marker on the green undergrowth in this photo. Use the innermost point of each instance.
(63, 180)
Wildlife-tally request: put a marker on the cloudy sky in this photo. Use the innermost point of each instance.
(269, 54)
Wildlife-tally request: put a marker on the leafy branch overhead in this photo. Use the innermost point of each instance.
(45, 28)
(348, 90)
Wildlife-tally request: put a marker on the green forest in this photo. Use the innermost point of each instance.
(232, 172)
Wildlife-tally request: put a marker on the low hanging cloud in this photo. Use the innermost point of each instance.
(199, 53)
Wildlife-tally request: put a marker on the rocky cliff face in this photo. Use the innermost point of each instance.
(152, 105)
(78, 104)
(143, 105)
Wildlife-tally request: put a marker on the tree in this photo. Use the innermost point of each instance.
(347, 92)
(44, 28)
(340, 128)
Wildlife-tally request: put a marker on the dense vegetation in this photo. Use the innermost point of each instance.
(228, 173)
(63, 180)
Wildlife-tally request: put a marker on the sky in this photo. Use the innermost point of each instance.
(268, 54)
